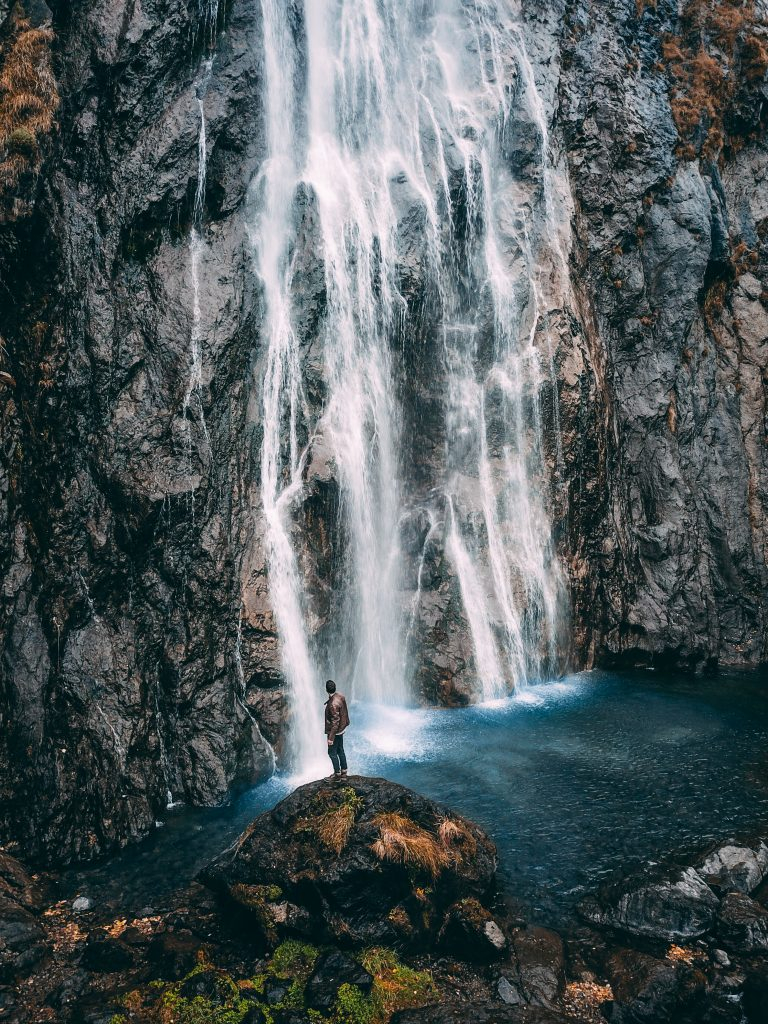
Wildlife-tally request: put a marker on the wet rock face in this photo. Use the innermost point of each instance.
(133, 665)
(139, 647)
(662, 393)
(361, 863)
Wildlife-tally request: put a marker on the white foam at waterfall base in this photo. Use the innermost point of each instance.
(399, 99)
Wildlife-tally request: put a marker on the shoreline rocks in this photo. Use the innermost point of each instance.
(293, 931)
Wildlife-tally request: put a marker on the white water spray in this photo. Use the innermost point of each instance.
(386, 105)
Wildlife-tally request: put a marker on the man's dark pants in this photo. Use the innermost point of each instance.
(337, 755)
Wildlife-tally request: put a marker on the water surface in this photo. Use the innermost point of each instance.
(571, 779)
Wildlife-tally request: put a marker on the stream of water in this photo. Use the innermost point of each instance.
(572, 779)
(379, 112)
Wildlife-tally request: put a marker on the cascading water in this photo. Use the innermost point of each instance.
(193, 395)
(368, 101)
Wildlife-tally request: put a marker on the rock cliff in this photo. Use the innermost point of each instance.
(140, 659)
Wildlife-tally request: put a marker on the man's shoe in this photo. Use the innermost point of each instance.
(344, 773)
(334, 778)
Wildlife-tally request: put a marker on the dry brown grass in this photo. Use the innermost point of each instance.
(583, 999)
(334, 827)
(457, 839)
(29, 100)
(719, 48)
(404, 842)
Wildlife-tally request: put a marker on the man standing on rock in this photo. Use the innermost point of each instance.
(336, 721)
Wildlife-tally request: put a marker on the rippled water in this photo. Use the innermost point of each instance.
(572, 779)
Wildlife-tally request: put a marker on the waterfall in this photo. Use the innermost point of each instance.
(368, 102)
(193, 395)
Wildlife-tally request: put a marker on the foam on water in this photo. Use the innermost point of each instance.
(608, 769)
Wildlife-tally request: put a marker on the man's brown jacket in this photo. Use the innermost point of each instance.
(336, 715)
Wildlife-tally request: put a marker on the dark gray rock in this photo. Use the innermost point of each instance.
(208, 984)
(275, 990)
(291, 1017)
(170, 956)
(23, 941)
(534, 973)
(672, 905)
(105, 954)
(254, 1015)
(742, 924)
(480, 1013)
(470, 932)
(331, 971)
(737, 867)
(651, 991)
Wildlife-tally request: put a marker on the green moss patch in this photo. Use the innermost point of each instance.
(227, 1000)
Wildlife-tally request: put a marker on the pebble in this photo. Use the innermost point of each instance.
(721, 957)
(81, 904)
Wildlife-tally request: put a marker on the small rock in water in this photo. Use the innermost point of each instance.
(82, 904)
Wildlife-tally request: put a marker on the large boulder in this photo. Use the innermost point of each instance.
(671, 905)
(363, 863)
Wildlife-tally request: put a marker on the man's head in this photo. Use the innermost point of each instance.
(330, 686)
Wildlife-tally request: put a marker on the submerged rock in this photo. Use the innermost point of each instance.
(369, 862)
(670, 905)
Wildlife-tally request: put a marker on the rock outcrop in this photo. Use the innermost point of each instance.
(364, 862)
